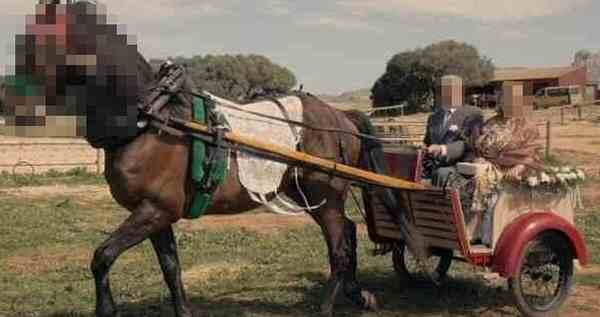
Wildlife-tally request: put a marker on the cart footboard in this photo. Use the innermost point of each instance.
(436, 214)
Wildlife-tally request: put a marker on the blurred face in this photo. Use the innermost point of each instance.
(74, 75)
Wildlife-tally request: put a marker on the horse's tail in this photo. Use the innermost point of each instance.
(372, 159)
(371, 154)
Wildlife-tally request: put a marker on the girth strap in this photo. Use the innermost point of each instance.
(208, 170)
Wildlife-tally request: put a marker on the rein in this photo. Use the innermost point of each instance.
(290, 122)
(175, 83)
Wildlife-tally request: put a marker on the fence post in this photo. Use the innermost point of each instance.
(98, 158)
(562, 116)
(548, 138)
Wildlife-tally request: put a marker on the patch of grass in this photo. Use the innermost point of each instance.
(76, 175)
(589, 279)
(589, 224)
(551, 160)
(46, 245)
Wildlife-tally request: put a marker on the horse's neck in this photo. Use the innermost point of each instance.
(124, 156)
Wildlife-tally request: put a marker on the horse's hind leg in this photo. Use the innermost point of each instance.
(340, 235)
(166, 249)
(144, 222)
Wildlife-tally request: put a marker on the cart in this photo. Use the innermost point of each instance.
(534, 241)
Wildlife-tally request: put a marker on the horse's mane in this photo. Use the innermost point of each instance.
(145, 75)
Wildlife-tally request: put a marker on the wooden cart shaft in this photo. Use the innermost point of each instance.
(333, 167)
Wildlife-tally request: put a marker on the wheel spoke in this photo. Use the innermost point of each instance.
(542, 275)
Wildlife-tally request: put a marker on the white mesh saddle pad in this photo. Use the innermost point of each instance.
(259, 175)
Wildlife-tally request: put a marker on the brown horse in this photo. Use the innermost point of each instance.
(159, 197)
(149, 174)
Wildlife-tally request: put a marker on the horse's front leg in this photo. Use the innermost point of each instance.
(166, 249)
(340, 235)
(141, 224)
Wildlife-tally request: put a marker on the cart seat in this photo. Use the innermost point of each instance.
(471, 169)
(405, 163)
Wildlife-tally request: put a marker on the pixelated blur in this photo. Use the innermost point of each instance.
(74, 75)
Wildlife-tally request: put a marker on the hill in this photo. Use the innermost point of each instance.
(354, 99)
(355, 96)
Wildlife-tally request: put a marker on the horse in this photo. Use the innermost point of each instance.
(149, 174)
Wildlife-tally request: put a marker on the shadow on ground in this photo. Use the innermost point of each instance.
(459, 296)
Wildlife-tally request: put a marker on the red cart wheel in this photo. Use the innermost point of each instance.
(544, 277)
(409, 269)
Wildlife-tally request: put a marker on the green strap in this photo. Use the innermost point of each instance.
(23, 85)
(200, 174)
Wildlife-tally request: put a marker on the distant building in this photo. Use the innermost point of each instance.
(535, 79)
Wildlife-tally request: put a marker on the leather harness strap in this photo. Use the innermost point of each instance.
(286, 114)
(291, 122)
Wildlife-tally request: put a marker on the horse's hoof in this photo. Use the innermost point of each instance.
(326, 310)
(108, 312)
(370, 301)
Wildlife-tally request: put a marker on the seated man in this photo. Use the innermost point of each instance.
(450, 131)
(449, 137)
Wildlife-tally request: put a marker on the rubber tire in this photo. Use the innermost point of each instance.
(561, 245)
(404, 273)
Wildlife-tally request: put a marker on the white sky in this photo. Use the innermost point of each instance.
(338, 45)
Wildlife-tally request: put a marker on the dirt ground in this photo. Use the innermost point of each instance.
(578, 142)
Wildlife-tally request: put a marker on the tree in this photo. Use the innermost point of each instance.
(591, 61)
(581, 57)
(237, 77)
(413, 76)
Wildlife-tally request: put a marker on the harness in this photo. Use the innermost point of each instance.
(209, 164)
(210, 153)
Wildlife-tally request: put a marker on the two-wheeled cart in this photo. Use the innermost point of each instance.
(534, 240)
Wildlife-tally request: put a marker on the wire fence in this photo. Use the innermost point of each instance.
(34, 157)
(20, 157)
(398, 132)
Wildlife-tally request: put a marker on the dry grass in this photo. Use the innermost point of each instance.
(248, 265)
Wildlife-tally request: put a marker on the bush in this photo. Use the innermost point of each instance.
(237, 77)
(413, 76)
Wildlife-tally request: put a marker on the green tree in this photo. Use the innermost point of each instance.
(237, 77)
(581, 57)
(412, 77)
(591, 60)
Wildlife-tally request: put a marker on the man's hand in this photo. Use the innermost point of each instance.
(516, 173)
(437, 150)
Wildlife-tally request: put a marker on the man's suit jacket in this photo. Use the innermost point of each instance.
(463, 125)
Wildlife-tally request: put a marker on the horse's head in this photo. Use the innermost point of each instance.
(74, 68)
